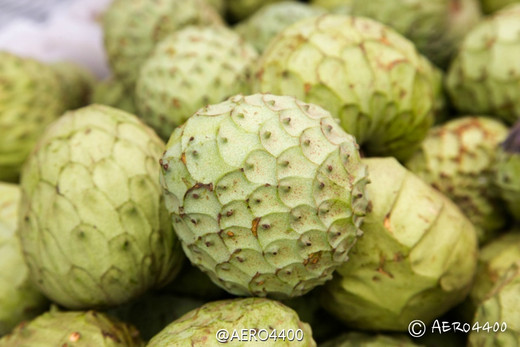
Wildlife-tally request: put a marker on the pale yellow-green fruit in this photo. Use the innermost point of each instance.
(93, 225)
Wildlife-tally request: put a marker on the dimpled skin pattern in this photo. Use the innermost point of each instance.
(363, 72)
(74, 329)
(133, 27)
(266, 23)
(199, 327)
(436, 27)
(189, 69)
(266, 194)
(92, 225)
(484, 78)
(457, 158)
(30, 99)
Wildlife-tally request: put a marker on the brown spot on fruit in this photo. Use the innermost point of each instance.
(74, 337)
(254, 226)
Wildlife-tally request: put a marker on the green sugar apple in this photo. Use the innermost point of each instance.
(436, 27)
(19, 298)
(266, 194)
(132, 28)
(484, 77)
(498, 316)
(490, 6)
(199, 327)
(494, 260)
(92, 223)
(507, 171)
(416, 258)
(363, 72)
(457, 158)
(30, 99)
(111, 92)
(73, 329)
(357, 339)
(266, 23)
(76, 83)
(241, 9)
(189, 69)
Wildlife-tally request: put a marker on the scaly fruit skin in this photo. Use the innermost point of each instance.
(507, 169)
(356, 339)
(266, 194)
(111, 92)
(190, 69)
(241, 9)
(266, 23)
(74, 329)
(30, 99)
(363, 72)
(19, 298)
(490, 6)
(132, 28)
(93, 229)
(484, 77)
(501, 306)
(457, 158)
(199, 327)
(494, 260)
(436, 27)
(416, 258)
(76, 83)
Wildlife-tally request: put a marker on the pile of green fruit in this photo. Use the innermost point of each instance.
(287, 173)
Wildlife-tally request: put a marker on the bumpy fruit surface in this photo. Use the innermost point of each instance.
(190, 69)
(457, 158)
(76, 83)
(363, 72)
(484, 77)
(93, 227)
(19, 298)
(507, 171)
(133, 27)
(416, 258)
(199, 327)
(111, 92)
(30, 99)
(495, 259)
(436, 27)
(78, 329)
(266, 23)
(355, 339)
(501, 306)
(265, 192)
(489, 6)
(240, 9)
